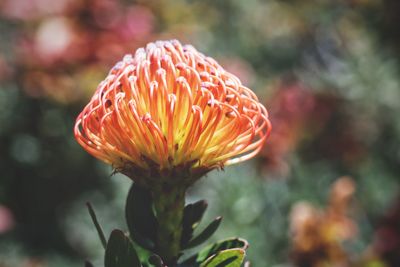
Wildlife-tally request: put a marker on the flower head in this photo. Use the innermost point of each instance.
(170, 110)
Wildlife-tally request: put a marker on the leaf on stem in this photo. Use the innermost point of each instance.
(142, 223)
(192, 215)
(212, 249)
(205, 234)
(120, 251)
(230, 257)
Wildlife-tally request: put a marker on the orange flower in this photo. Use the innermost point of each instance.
(169, 110)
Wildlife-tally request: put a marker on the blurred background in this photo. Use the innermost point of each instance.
(323, 192)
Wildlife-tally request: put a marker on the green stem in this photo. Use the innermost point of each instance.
(169, 204)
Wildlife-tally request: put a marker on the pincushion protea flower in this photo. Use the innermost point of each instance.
(170, 109)
(166, 116)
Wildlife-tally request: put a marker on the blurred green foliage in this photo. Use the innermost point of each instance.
(328, 72)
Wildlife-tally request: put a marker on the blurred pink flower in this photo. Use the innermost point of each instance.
(138, 22)
(301, 115)
(290, 109)
(6, 219)
(53, 38)
(58, 43)
(32, 9)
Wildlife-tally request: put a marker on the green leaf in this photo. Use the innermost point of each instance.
(205, 234)
(192, 215)
(230, 257)
(97, 225)
(142, 223)
(212, 249)
(155, 260)
(120, 251)
(88, 264)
